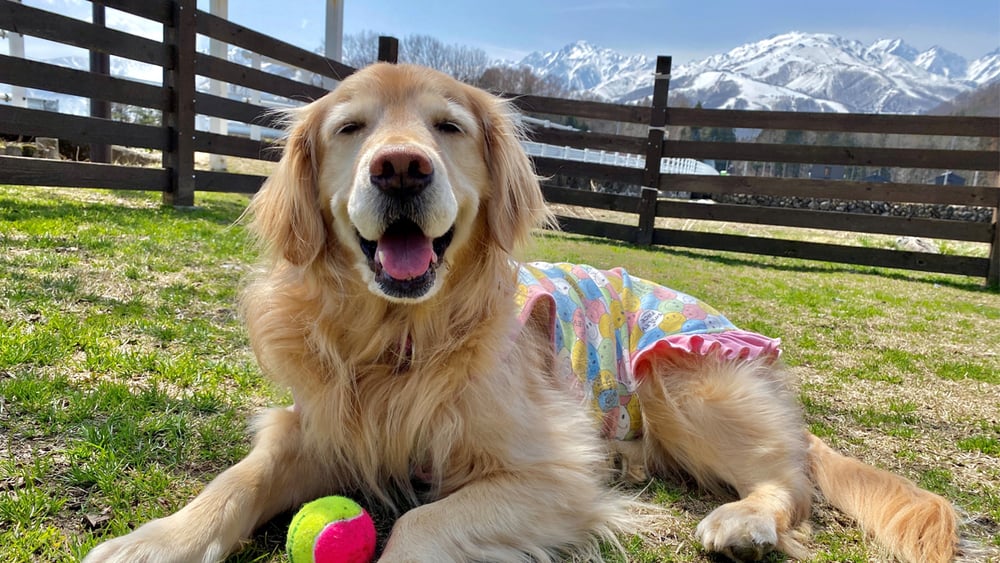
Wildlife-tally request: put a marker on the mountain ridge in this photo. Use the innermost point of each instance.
(793, 71)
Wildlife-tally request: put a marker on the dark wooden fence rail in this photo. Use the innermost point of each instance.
(654, 146)
(179, 103)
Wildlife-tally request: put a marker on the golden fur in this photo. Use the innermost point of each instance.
(405, 393)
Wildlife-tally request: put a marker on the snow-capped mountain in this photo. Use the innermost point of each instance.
(937, 60)
(884, 47)
(791, 71)
(584, 67)
(985, 69)
(824, 66)
(728, 90)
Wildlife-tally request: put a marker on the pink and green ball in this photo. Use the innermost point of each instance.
(331, 529)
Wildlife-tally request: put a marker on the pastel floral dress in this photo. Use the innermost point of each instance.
(606, 323)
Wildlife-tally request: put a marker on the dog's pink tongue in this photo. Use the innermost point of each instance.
(405, 257)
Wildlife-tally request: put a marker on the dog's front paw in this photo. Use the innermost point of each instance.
(415, 539)
(739, 532)
(158, 541)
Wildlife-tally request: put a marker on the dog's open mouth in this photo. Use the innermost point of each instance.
(404, 259)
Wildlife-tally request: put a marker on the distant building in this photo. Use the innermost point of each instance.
(882, 177)
(949, 178)
(827, 172)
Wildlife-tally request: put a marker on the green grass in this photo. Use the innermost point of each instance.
(126, 382)
(124, 373)
(895, 419)
(988, 445)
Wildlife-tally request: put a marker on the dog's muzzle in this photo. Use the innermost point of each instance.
(404, 258)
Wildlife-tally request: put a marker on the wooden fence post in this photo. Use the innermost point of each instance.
(100, 63)
(993, 273)
(388, 49)
(179, 77)
(654, 151)
(647, 215)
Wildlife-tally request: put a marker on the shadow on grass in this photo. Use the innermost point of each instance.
(788, 264)
(266, 541)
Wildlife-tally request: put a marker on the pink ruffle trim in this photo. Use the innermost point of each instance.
(731, 345)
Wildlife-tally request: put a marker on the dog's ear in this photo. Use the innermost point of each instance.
(286, 213)
(516, 205)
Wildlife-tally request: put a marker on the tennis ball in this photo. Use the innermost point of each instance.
(331, 529)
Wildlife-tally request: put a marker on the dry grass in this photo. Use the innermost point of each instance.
(236, 165)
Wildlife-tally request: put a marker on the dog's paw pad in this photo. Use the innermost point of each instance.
(738, 532)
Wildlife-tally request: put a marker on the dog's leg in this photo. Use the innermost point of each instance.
(272, 478)
(736, 426)
(505, 517)
(630, 458)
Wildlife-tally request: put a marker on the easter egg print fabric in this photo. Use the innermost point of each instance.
(607, 322)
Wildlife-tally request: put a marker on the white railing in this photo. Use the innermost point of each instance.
(667, 165)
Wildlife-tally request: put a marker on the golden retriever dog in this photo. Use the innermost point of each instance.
(388, 303)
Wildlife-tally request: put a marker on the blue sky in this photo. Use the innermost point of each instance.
(684, 29)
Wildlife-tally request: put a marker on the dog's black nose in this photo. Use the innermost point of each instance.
(401, 171)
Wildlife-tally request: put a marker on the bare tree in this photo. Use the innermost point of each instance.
(462, 62)
(509, 80)
(360, 49)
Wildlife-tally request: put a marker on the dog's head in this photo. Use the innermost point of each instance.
(396, 171)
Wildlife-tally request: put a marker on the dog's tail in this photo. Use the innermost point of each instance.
(914, 524)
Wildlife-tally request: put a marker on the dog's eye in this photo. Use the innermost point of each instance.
(349, 128)
(447, 127)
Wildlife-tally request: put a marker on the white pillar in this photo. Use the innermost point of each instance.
(19, 97)
(334, 36)
(255, 96)
(218, 49)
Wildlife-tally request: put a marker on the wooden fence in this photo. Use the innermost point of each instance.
(180, 102)
(648, 206)
(177, 98)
